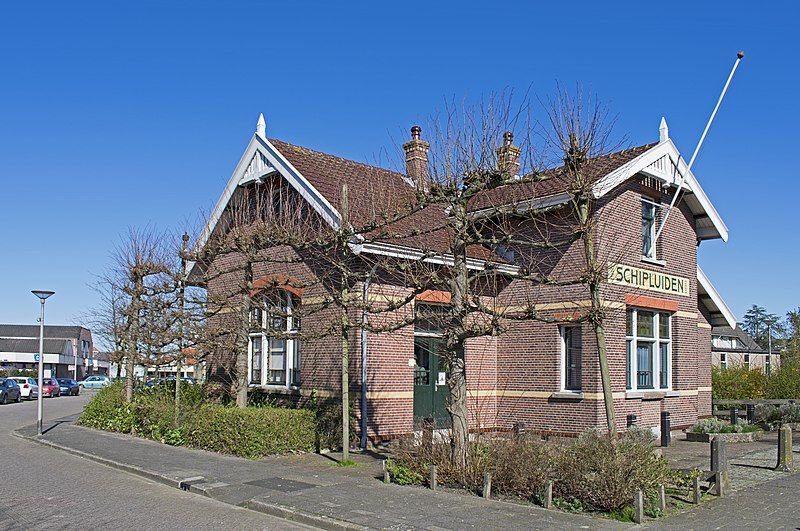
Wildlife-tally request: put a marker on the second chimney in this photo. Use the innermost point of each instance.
(417, 158)
(508, 156)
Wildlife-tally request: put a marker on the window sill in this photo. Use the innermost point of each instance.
(277, 388)
(650, 394)
(567, 395)
(654, 261)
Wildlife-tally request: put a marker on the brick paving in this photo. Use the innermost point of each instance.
(311, 485)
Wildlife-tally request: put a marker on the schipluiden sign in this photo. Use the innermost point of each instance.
(625, 275)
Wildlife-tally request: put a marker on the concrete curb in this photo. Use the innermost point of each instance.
(195, 485)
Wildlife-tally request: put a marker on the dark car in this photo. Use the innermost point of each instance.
(68, 386)
(9, 390)
(50, 387)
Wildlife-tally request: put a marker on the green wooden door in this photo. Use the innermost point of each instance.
(430, 383)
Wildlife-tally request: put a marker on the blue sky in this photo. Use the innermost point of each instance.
(126, 114)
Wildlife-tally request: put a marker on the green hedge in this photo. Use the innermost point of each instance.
(251, 432)
(737, 382)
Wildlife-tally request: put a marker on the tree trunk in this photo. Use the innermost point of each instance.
(241, 377)
(457, 381)
(345, 293)
(133, 339)
(597, 320)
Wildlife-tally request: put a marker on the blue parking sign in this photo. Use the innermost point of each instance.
(36, 358)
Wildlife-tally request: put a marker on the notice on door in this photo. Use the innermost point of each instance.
(442, 380)
(625, 275)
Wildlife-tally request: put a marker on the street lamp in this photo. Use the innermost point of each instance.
(42, 294)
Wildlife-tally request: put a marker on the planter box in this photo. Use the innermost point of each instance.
(727, 437)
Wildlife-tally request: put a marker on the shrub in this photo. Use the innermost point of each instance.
(774, 414)
(108, 411)
(251, 432)
(595, 471)
(403, 475)
(715, 425)
(737, 383)
(603, 472)
(784, 382)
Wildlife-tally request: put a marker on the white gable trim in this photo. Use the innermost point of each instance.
(717, 304)
(275, 162)
(647, 163)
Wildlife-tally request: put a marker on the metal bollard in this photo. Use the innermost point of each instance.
(751, 414)
(734, 416)
(631, 420)
(665, 429)
(519, 429)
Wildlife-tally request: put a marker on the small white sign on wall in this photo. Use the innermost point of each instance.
(442, 380)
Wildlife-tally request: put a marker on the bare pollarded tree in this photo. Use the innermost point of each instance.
(483, 190)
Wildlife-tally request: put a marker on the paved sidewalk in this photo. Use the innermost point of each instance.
(307, 489)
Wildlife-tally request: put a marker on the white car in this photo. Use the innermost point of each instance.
(27, 387)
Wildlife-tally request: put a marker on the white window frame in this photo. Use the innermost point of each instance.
(632, 368)
(291, 342)
(654, 227)
(562, 338)
(723, 360)
(748, 360)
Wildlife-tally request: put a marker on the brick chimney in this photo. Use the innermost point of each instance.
(417, 157)
(508, 156)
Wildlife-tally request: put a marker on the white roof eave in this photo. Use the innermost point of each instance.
(717, 302)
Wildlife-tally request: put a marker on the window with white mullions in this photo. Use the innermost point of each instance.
(648, 350)
(649, 222)
(571, 358)
(274, 341)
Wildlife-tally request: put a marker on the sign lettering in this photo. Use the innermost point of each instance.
(625, 275)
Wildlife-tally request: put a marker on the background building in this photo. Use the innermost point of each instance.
(67, 349)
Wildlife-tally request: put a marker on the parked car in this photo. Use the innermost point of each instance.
(51, 388)
(27, 386)
(97, 381)
(9, 390)
(69, 386)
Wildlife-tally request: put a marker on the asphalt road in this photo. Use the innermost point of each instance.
(43, 488)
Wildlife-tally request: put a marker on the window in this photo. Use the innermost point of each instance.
(274, 341)
(648, 229)
(571, 358)
(648, 338)
(747, 360)
(723, 360)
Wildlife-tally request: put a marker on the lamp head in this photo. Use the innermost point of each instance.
(42, 294)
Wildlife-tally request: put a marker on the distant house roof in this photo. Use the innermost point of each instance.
(31, 346)
(32, 331)
(749, 343)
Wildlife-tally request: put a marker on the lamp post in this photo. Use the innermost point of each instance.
(43, 295)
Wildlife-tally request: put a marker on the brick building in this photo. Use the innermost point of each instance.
(659, 305)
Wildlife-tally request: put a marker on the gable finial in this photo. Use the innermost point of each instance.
(663, 130)
(261, 126)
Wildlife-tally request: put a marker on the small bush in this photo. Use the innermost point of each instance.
(715, 425)
(402, 475)
(774, 414)
(737, 383)
(251, 432)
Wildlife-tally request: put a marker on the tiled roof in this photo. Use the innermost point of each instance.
(376, 193)
(554, 181)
